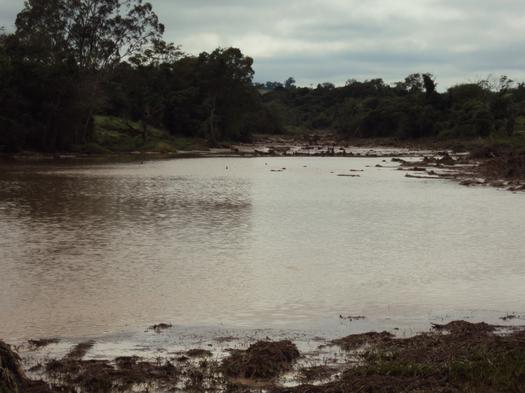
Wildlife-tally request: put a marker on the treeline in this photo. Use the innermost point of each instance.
(412, 108)
(69, 60)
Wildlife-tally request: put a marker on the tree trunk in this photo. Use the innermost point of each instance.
(144, 125)
(213, 108)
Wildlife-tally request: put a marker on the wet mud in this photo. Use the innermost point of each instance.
(458, 356)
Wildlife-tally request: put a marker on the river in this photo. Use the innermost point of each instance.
(96, 249)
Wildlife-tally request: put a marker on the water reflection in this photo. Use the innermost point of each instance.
(92, 249)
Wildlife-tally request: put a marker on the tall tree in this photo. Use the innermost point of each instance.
(226, 76)
(86, 40)
(95, 34)
(429, 84)
(289, 83)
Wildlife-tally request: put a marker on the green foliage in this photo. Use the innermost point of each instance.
(113, 134)
(210, 96)
(412, 108)
(53, 67)
(72, 59)
(92, 34)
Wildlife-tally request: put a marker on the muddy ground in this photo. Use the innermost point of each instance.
(500, 167)
(454, 357)
(482, 166)
(470, 165)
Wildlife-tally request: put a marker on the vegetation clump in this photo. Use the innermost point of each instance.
(356, 341)
(510, 167)
(457, 357)
(263, 360)
(316, 373)
(100, 376)
(12, 376)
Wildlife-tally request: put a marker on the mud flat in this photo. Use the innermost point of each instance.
(454, 357)
(468, 169)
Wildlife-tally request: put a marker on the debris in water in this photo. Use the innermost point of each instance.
(160, 327)
(352, 317)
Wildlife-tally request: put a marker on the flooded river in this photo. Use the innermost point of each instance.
(90, 250)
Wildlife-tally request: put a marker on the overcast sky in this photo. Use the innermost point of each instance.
(335, 40)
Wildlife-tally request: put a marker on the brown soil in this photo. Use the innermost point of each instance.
(508, 167)
(453, 357)
(501, 169)
(262, 360)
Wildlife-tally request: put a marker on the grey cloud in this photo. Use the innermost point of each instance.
(322, 40)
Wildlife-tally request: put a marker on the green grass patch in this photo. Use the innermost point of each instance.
(118, 135)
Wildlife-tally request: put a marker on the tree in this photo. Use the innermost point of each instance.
(225, 75)
(326, 86)
(414, 83)
(289, 83)
(94, 34)
(80, 43)
(429, 84)
(273, 85)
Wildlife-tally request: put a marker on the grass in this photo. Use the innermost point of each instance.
(457, 357)
(118, 135)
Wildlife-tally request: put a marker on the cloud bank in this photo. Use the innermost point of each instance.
(336, 40)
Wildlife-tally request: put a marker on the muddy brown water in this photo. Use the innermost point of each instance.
(89, 250)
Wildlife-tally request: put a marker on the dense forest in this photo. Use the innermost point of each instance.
(70, 60)
(73, 69)
(412, 108)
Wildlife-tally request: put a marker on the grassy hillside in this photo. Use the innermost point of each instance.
(117, 135)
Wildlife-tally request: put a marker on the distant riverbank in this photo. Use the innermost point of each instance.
(471, 162)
